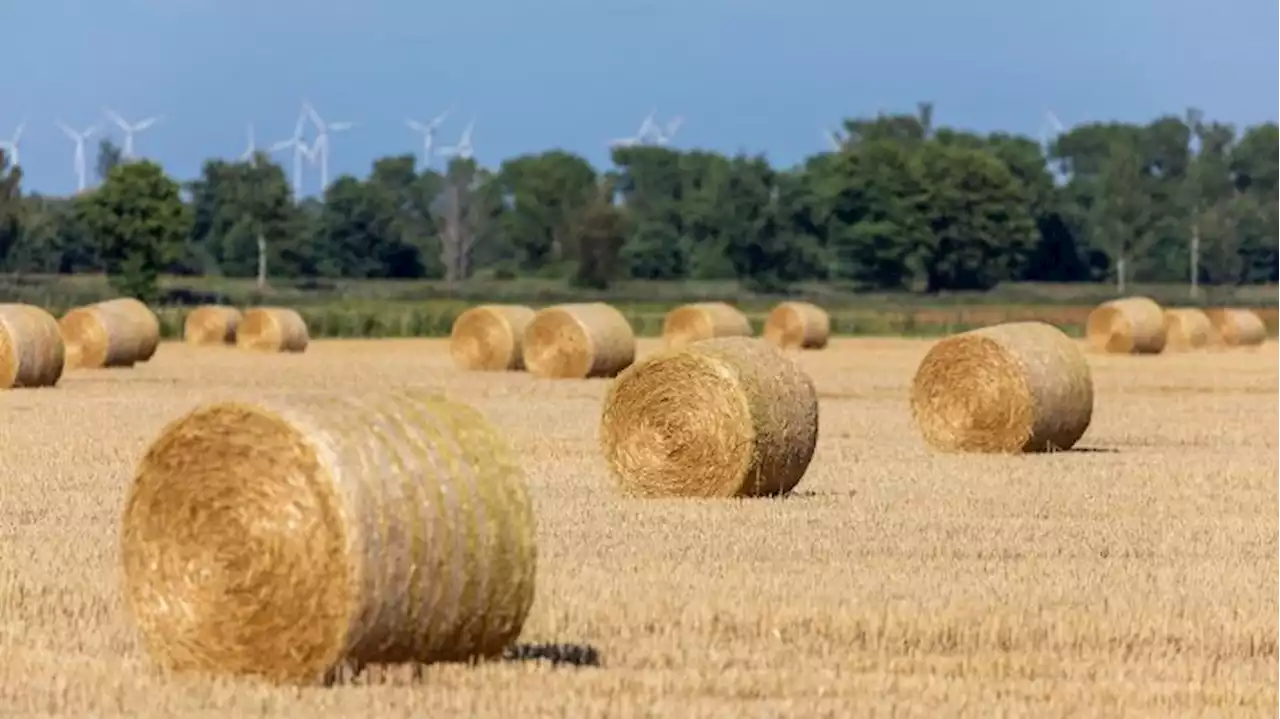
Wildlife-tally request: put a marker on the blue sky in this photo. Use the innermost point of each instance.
(746, 74)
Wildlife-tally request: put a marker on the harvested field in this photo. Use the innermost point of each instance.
(1136, 576)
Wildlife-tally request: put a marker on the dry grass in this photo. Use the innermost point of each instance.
(1139, 579)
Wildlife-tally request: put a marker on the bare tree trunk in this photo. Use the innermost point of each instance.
(1195, 257)
(262, 261)
(1120, 272)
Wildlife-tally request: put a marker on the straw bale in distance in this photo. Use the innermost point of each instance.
(272, 329)
(285, 540)
(578, 341)
(488, 337)
(798, 325)
(725, 417)
(115, 333)
(211, 325)
(703, 321)
(1134, 325)
(1010, 388)
(1186, 328)
(32, 352)
(1237, 327)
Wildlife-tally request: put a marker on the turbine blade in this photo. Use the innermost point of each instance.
(67, 129)
(17, 134)
(116, 118)
(415, 126)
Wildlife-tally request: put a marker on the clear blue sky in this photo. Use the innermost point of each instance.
(746, 74)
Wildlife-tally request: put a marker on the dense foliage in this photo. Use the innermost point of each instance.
(902, 204)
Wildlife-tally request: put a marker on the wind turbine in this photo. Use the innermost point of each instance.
(321, 145)
(428, 131)
(299, 149)
(79, 160)
(10, 147)
(250, 151)
(648, 128)
(463, 149)
(129, 130)
(833, 138)
(667, 134)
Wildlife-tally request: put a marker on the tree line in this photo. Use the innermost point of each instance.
(902, 204)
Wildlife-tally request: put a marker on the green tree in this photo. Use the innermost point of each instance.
(544, 193)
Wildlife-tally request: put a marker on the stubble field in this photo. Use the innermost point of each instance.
(1137, 576)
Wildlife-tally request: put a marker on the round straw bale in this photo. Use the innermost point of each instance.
(115, 333)
(1009, 388)
(703, 321)
(578, 341)
(1237, 327)
(211, 325)
(288, 539)
(488, 337)
(798, 325)
(1134, 325)
(1186, 328)
(32, 352)
(272, 329)
(725, 417)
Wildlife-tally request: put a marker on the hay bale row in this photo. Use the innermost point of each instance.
(490, 337)
(1237, 327)
(1186, 329)
(114, 333)
(285, 540)
(1134, 325)
(578, 341)
(798, 325)
(32, 352)
(211, 325)
(272, 329)
(703, 321)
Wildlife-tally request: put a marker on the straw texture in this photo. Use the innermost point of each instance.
(211, 325)
(726, 417)
(272, 329)
(703, 321)
(1134, 325)
(287, 540)
(1016, 387)
(488, 337)
(578, 341)
(1237, 327)
(114, 333)
(1186, 328)
(32, 352)
(798, 325)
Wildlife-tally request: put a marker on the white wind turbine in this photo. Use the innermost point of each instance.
(300, 149)
(129, 130)
(428, 131)
(249, 152)
(321, 145)
(79, 161)
(10, 147)
(463, 149)
(647, 130)
(662, 136)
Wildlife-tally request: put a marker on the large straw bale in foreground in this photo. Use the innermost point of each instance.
(115, 333)
(488, 337)
(726, 417)
(1186, 328)
(1237, 327)
(798, 325)
(32, 352)
(703, 321)
(286, 539)
(578, 341)
(211, 325)
(1134, 325)
(272, 329)
(1016, 387)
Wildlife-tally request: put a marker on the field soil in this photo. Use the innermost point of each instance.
(1136, 576)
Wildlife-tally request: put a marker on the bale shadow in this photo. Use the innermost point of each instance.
(1089, 450)
(558, 655)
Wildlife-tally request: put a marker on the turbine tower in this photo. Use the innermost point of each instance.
(129, 130)
(10, 147)
(248, 154)
(321, 145)
(428, 131)
(463, 149)
(300, 149)
(79, 160)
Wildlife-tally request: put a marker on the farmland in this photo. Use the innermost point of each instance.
(1136, 575)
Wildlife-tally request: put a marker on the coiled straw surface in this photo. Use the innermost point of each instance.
(1237, 327)
(798, 325)
(1134, 325)
(1186, 328)
(211, 325)
(285, 540)
(31, 347)
(578, 341)
(726, 417)
(1016, 387)
(703, 321)
(114, 333)
(272, 329)
(488, 337)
